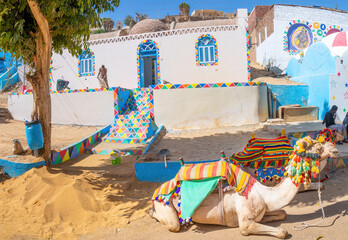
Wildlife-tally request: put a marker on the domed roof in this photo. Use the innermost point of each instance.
(148, 25)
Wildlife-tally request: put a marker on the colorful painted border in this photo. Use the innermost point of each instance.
(216, 51)
(78, 148)
(78, 65)
(70, 91)
(248, 53)
(157, 61)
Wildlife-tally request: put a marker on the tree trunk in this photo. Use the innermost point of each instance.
(40, 79)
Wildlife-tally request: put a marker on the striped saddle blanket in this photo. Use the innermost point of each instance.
(239, 180)
(264, 153)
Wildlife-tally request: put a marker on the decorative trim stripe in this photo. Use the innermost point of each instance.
(165, 34)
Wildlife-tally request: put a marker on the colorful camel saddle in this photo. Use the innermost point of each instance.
(194, 182)
(267, 156)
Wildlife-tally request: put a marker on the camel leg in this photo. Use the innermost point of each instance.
(167, 215)
(251, 227)
(271, 216)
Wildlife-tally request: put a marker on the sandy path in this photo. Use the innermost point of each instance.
(303, 208)
(206, 144)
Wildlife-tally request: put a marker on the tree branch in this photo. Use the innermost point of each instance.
(41, 20)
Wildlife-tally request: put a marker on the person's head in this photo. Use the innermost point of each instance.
(103, 66)
(334, 108)
(347, 114)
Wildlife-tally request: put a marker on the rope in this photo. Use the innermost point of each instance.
(305, 225)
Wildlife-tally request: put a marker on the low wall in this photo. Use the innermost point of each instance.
(157, 172)
(290, 94)
(80, 108)
(196, 106)
(15, 169)
(79, 147)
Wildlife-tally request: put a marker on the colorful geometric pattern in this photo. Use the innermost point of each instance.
(77, 148)
(317, 30)
(239, 180)
(264, 153)
(216, 62)
(248, 53)
(93, 63)
(196, 85)
(70, 91)
(133, 128)
(157, 61)
(109, 152)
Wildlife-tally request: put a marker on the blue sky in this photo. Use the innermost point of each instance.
(160, 8)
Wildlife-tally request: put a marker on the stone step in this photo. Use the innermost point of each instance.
(131, 129)
(127, 135)
(131, 125)
(124, 140)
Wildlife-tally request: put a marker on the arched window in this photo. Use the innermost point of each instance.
(206, 51)
(86, 63)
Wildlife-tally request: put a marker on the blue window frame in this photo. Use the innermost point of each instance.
(206, 50)
(86, 64)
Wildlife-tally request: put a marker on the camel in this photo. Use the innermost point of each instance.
(262, 205)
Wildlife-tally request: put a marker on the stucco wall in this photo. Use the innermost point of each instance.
(315, 70)
(272, 49)
(339, 86)
(92, 108)
(210, 107)
(177, 61)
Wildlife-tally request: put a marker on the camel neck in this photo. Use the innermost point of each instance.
(279, 196)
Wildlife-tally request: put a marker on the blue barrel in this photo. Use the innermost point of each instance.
(35, 139)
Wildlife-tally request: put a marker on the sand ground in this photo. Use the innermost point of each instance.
(88, 198)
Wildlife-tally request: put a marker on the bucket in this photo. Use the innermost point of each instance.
(115, 158)
(35, 139)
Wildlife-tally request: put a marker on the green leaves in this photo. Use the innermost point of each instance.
(69, 22)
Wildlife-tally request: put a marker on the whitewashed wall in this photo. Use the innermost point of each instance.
(91, 109)
(272, 47)
(177, 61)
(339, 86)
(199, 108)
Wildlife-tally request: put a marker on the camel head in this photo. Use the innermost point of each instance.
(306, 159)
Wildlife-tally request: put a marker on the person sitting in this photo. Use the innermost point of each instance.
(62, 84)
(329, 121)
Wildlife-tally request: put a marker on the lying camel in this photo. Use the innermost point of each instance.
(263, 204)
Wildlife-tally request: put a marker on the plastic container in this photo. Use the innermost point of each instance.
(115, 158)
(35, 139)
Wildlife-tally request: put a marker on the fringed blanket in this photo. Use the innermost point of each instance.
(264, 153)
(208, 173)
(328, 135)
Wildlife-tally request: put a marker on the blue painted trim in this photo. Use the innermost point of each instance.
(15, 169)
(103, 131)
(156, 172)
(154, 138)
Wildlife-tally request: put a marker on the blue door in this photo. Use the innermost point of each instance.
(148, 64)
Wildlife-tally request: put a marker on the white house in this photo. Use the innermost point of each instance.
(154, 53)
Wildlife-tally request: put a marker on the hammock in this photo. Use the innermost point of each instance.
(264, 153)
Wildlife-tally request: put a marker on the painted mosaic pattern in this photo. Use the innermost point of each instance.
(198, 63)
(248, 53)
(93, 64)
(157, 61)
(78, 148)
(70, 91)
(299, 35)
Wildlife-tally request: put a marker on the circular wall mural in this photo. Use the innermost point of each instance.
(299, 37)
